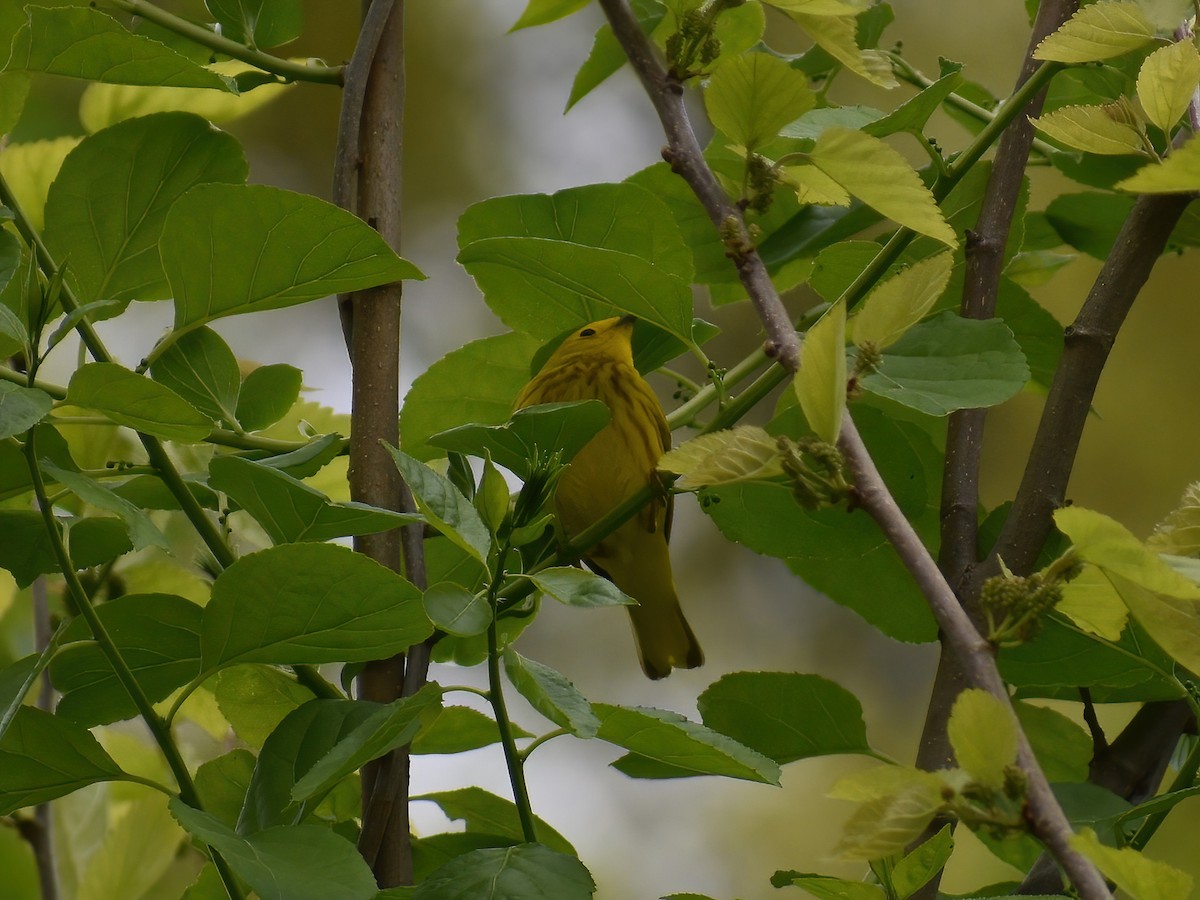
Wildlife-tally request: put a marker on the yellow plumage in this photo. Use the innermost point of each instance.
(596, 362)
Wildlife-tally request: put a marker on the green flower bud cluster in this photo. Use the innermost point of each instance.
(1014, 605)
(816, 471)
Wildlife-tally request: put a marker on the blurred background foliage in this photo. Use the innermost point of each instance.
(484, 117)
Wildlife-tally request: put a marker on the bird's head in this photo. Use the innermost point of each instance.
(606, 339)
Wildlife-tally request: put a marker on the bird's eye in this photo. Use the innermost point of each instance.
(587, 332)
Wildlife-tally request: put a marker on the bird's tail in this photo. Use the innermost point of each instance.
(664, 639)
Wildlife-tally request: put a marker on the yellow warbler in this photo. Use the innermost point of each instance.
(596, 362)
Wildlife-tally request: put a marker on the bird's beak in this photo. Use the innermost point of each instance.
(627, 321)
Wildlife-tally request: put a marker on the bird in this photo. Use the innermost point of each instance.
(596, 362)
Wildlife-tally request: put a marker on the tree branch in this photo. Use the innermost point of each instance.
(686, 158)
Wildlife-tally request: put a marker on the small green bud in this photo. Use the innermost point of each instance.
(491, 498)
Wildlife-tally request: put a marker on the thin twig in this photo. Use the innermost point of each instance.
(685, 155)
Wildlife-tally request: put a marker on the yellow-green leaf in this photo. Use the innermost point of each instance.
(1167, 82)
(880, 781)
(1108, 544)
(1099, 31)
(814, 186)
(749, 98)
(1093, 129)
(836, 36)
(1179, 532)
(983, 733)
(106, 104)
(1139, 876)
(30, 168)
(821, 382)
(890, 823)
(744, 453)
(1179, 173)
(881, 178)
(901, 302)
(1091, 602)
(1173, 622)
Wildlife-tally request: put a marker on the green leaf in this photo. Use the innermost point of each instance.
(915, 112)
(289, 510)
(1093, 604)
(288, 862)
(137, 402)
(444, 507)
(389, 727)
(255, 699)
(1109, 130)
(523, 872)
(21, 408)
(450, 392)
(546, 428)
(730, 456)
(455, 610)
(15, 681)
(820, 384)
(458, 729)
(14, 89)
(983, 734)
(1108, 544)
(752, 96)
(785, 716)
(267, 394)
(625, 218)
(542, 12)
(1098, 31)
(202, 369)
(551, 694)
(30, 168)
(1179, 532)
(576, 587)
(235, 248)
(888, 823)
(607, 56)
(158, 636)
(1172, 621)
(950, 363)
(259, 23)
(915, 869)
(687, 748)
(1137, 875)
(1167, 82)
(826, 887)
(1178, 173)
(901, 302)
(879, 176)
(44, 757)
(488, 814)
(106, 209)
(221, 784)
(545, 287)
(311, 603)
(26, 551)
(1062, 747)
(142, 531)
(81, 42)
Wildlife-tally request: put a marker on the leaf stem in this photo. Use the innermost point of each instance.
(83, 607)
(512, 756)
(286, 69)
(542, 739)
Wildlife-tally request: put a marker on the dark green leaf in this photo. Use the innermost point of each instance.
(669, 738)
(202, 369)
(551, 694)
(137, 402)
(450, 392)
(21, 408)
(444, 507)
(159, 638)
(826, 887)
(80, 42)
(1089, 221)
(607, 55)
(142, 531)
(912, 114)
(785, 716)
(489, 814)
(222, 784)
(259, 23)
(106, 208)
(254, 699)
(917, 867)
(288, 862)
(1062, 747)
(455, 610)
(433, 852)
(392, 725)
(548, 427)
(231, 249)
(309, 603)
(458, 729)
(289, 510)
(523, 872)
(15, 682)
(948, 363)
(267, 394)
(577, 587)
(44, 757)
